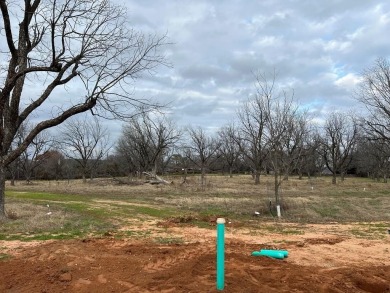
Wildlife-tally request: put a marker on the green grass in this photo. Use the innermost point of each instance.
(169, 240)
(32, 219)
(137, 210)
(153, 212)
(134, 234)
(42, 236)
(283, 230)
(88, 211)
(327, 211)
(370, 230)
(71, 216)
(47, 197)
(4, 256)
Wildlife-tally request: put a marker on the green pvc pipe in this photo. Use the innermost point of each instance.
(284, 252)
(220, 253)
(269, 253)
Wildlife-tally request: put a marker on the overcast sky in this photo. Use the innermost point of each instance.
(318, 48)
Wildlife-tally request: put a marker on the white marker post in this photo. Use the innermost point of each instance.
(278, 211)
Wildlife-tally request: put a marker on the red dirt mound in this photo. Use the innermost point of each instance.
(108, 265)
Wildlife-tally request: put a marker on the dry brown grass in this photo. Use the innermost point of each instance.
(308, 200)
(35, 218)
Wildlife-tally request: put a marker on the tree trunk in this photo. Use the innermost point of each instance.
(276, 188)
(230, 172)
(154, 171)
(2, 192)
(277, 198)
(202, 178)
(28, 175)
(334, 181)
(257, 177)
(84, 178)
(185, 176)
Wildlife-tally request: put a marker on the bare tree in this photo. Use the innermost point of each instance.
(28, 161)
(286, 131)
(201, 149)
(86, 141)
(180, 162)
(374, 93)
(373, 158)
(283, 128)
(145, 140)
(339, 142)
(229, 147)
(310, 160)
(14, 171)
(52, 166)
(251, 139)
(54, 46)
(30, 158)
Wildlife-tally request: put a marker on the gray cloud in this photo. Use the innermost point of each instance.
(318, 48)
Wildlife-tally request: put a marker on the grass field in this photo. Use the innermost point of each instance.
(61, 210)
(137, 237)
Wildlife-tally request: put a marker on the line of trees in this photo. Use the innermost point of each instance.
(57, 46)
(271, 135)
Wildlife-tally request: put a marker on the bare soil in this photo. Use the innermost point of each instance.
(320, 260)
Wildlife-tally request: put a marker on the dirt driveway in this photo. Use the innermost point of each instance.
(319, 261)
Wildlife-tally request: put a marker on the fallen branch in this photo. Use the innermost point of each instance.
(156, 179)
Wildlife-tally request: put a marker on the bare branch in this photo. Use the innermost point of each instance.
(7, 27)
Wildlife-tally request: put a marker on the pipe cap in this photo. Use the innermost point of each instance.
(221, 221)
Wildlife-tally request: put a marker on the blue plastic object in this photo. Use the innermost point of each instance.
(220, 253)
(284, 252)
(278, 254)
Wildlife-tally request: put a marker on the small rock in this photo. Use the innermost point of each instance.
(65, 277)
